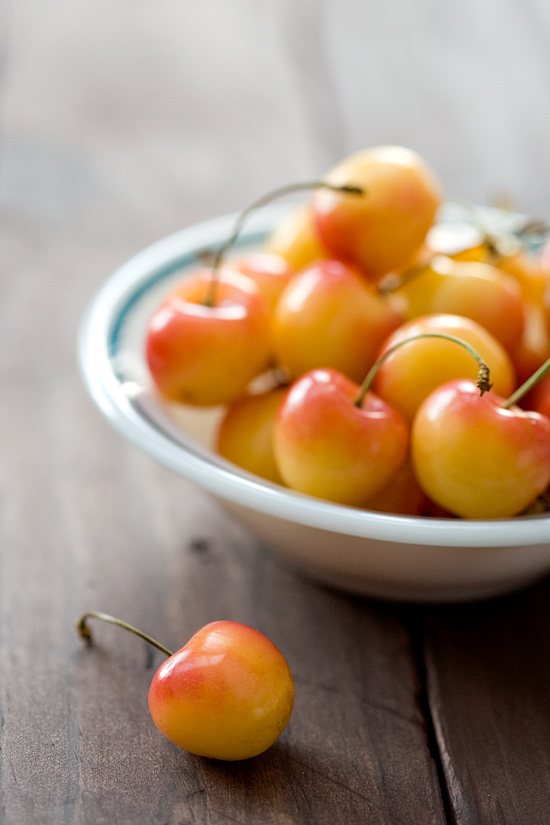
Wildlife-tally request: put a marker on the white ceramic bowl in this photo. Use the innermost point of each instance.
(385, 556)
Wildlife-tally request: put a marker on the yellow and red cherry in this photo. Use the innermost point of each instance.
(335, 442)
(245, 433)
(479, 456)
(227, 694)
(329, 316)
(295, 239)
(474, 289)
(384, 230)
(204, 352)
(410, 373)
(270, 272)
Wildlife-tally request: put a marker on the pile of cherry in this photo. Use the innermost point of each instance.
(370, 356)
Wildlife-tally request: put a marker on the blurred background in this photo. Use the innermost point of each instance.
(139, 116)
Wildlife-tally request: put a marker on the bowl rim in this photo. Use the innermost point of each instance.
(98, 338)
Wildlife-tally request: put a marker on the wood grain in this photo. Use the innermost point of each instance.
(488, 672)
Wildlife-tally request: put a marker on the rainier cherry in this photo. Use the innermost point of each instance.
(245, 434)
(411, 372)
(383, 230)
(479, 456)
(205, 352)
(329, 316)
(227, 694)
(334, 442)
(474, 289)
(296, 240)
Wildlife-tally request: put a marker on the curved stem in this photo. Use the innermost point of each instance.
(263, 201)
(527, 385)
(85, 633)
(483, 379)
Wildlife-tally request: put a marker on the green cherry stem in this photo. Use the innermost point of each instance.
(85, 632)
(527, 385)
(483, 379)
(263, 201)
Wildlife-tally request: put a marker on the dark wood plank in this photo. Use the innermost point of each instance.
(488, 669)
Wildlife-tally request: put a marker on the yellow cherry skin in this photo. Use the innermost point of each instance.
(327, 446)
(296, 240)
(329, 316)
(473, 289)
(227, 694)
(207, 355)
(414, 370)
(476, 459)
(245, 433)
(382, 230)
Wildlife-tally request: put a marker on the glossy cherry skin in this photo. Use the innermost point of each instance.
(383, 229)
(328, 316)
(245, 433)
(207, 355)
(327, 446)
(473, 289)
(228, 694)
(476, 459)
(410, 373)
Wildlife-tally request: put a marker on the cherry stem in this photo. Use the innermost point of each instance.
(85, 632)
(527, 385)
(483, 378)
(263, 201)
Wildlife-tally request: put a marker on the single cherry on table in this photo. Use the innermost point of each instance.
(227, 694)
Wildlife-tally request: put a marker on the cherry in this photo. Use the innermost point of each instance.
(384, 231)
(329, 446)
(245, 433)
(481, 456)
(330, 316)
(270, 272)
(295, 239)
(472, 289)
(207, 355)
(410, 373)
(227, 694)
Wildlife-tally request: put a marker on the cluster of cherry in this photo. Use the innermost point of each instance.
(372, 321)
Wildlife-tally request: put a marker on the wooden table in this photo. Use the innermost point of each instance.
(121, 122)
